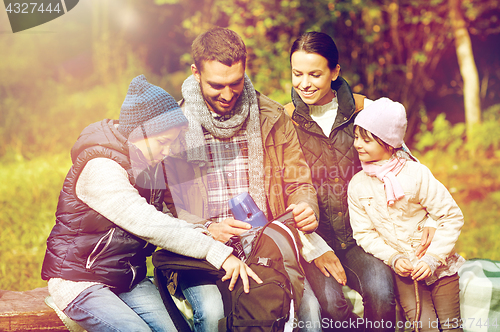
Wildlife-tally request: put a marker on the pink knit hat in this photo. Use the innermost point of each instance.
(385, 119)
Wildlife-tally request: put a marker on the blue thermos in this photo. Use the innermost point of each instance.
(244, 208)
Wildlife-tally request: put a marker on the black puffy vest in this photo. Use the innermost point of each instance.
(333, 161)
(84, 245)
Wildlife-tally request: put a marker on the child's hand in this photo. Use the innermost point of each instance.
(403, 267)
(421, 272)
(235, 268)
(425, 242)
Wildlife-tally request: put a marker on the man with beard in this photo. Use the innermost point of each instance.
(238, 141)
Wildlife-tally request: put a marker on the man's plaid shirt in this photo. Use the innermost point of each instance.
(227, 174)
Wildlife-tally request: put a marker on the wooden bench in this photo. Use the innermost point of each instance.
(27, 311)
(479, 286)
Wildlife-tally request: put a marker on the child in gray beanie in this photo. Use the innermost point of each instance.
(110, 217)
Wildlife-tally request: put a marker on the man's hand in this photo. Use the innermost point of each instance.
(421, 272)
(425, 242)
(305, 219)
(329, 262)
(403, 267)
(223, 230)
(234, 267)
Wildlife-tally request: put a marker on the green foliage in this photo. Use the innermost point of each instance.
(28, 199)
(46, 115)
(385, 50)
(469, 169)
(443, 137)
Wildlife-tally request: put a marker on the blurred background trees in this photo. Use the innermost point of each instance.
(57, 78)
(403, 49)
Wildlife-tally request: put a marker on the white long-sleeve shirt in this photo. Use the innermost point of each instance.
(105, 187)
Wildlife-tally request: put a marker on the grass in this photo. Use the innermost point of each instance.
(29, 190)
(28, 198)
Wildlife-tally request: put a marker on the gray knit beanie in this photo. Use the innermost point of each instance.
(149, 107)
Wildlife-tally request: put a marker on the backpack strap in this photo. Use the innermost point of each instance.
(289, 108)
(284, 239)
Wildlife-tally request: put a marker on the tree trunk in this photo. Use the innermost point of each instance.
(467, 66)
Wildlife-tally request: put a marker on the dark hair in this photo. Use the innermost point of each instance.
(319, 43)
(364, 135)
(219, 44)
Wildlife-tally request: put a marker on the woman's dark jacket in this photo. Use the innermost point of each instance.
(333, 161)
(84, 245)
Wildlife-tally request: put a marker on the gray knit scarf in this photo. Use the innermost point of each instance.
(198, 115)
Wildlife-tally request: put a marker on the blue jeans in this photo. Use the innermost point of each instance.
(206, 300)
(371, 278)
(309, 315)
(98, 308)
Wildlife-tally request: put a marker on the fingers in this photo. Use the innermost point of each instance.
(425, 236)
(253, 275)
(329, 264)
(233, 223)
(406, 265)
(425, 241)
(403, 267)
(323, 270)
(404, 274)
(227, 276)
(232, 268)
(305, 219)
(320, 264)
(338, 273)
(244, 278)
(301, 211)
(421, 272)
(236, 268)
(229, 227)
(307, 225)
(420, 252)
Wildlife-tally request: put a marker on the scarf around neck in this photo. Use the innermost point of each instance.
(386, 173)
(246, 110)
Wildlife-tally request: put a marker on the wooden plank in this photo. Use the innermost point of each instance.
(27, 311)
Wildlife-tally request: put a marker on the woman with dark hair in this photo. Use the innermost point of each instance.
(323, 110)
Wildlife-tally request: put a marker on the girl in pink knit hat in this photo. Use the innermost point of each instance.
(390, 201)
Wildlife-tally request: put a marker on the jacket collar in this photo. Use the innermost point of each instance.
(103, 133)
(345, 100)
(270, 113)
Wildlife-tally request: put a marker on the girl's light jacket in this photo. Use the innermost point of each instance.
(390, 232)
